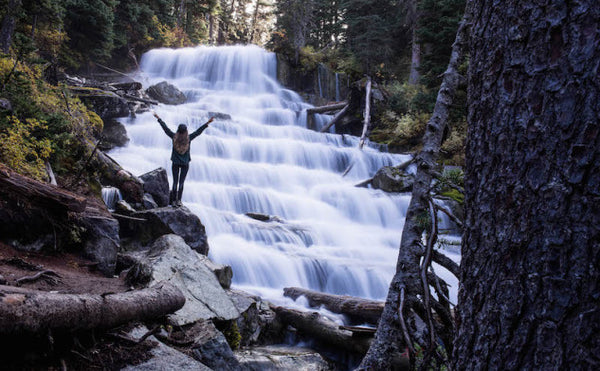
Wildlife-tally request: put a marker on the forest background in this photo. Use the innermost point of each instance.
(403, 45)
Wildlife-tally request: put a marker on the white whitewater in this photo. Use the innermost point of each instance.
(333, 237)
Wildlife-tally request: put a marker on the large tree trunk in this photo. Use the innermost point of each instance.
(530, 273)
(27, 311)
(8, 25)
(405, 313)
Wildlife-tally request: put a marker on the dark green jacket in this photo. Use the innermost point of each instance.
(177, 158)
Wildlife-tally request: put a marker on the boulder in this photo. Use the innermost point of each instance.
(155, 223)
(391, 179)
(174, 261)
(210, 347)
(156, 183)
(149, 202)
(114, 135)
(101, 241)
(163, 357)
(224, 273)
(281, 357)
(5, 104)
(258, 323)
(166, 93)
(106, 104)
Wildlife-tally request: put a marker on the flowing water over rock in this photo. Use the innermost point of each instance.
(328, 235)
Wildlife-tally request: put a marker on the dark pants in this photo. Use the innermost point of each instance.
(179, 174)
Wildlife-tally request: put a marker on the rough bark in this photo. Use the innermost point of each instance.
(406, 287)
(38, 193)
(8, 25)
(28, 311)
(359, 309)
(529, 297)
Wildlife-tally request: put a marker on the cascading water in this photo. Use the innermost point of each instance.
(329, 235)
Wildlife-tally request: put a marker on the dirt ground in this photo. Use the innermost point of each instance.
(83, 350)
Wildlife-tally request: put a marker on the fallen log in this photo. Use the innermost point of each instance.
(33, 312)
(328, 108)
(338, 116)
(319, 327)
(39, 193)
(357, 309)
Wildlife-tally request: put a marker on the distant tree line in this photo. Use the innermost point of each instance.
(75, 33)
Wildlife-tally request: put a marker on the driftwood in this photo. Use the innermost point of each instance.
(318, 327)
(39, 193)
(328, 108)
(338, 116)
(358, 309)
(32, 312)
(367, 114)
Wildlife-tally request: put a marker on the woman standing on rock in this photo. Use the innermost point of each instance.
(180, 156)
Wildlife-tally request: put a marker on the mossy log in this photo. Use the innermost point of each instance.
(39, 193)
(25, 311)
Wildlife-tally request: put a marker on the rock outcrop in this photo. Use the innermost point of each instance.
(172, 260)
(391, 179)
(156, 183)
(166, 93)
(280, 357)
(114, 135)
(155, 223)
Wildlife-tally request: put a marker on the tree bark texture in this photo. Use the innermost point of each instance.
(8, 25)
(358, 309)
(406, 289)
(28, 311)
(530, 273)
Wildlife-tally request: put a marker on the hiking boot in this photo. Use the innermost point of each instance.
(173, 198)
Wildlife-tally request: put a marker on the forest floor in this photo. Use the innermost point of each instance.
(83, 350)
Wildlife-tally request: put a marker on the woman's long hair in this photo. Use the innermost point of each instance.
(181, 140)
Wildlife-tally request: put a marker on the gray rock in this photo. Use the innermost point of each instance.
(127, 86)
(163, 357)
(106, 104)
(114, 135)
(211, 348)
(174, 261)
(258, 323)
(123, 206)
(219, 115)
(2, 280)
(149, 202)
(5, 104)
(166, 220)
(166, 93)
(391, 179)
(101, 241)
(224, 273)
(281, 358)
(156, 183)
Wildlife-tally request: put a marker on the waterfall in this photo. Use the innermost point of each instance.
(111, 196)
(328, 235)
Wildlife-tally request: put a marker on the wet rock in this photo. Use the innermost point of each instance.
(258, 323)
(219, 115)
(124, 207)
(174, 261)
(163, 356)
(211, 348)
(114, 135)
(391, 179)
(156, 183)
(166, 93)
(158, 222)
(106, 104)
(131, 187)
(149, 202)
(282, 358)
